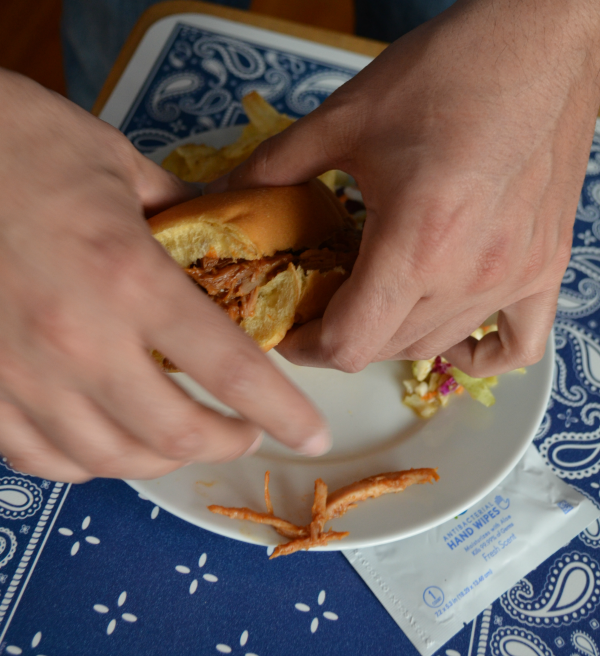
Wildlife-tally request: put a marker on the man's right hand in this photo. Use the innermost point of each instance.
(87, 292)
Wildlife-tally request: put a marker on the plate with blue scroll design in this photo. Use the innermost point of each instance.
(472, 446)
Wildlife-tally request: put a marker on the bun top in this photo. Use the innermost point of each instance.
(250, 223)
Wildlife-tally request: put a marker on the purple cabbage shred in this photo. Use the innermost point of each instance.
(440, 367)
(447, 386)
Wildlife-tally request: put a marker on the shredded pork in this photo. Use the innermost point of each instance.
(234, 284)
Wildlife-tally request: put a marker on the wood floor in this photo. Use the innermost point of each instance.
(30, 39)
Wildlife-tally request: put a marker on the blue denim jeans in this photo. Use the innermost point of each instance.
(94, 31)
(388, 20)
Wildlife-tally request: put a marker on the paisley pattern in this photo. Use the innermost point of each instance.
(204, 75)
(162, 105)
(591, 535)
(513, 641)
(574, 455)
(571, 591)
(585, 349)
(8, 545)
(570, 396)
(311, 92)
(19, 498)
(584, 644)
(18, 557)
(116, 576)
(544, 427)
(584, 274)
(569, 437)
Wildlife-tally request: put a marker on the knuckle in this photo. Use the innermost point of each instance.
(491, 266)
(506, 359)
(437, 221)
(419, 351)
(182, 443)
(119, 257)
(124, 155)
(124, 268)
(259, 167)
(237, 376)
(56, 328)
(528, 354)
(345, 357)
(258, 163)
(246, 434)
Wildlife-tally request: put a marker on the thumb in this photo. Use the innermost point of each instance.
(301, 152)
(159, 189)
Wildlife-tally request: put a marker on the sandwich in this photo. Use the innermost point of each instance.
(269, 257)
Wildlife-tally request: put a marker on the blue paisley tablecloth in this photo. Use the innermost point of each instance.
(95, 569)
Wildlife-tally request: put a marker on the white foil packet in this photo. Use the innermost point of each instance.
(433, 583)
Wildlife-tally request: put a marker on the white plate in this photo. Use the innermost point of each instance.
(473, 447)
(216, 138)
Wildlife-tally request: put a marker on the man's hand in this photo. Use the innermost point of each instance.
(469, 139)
(86, 293)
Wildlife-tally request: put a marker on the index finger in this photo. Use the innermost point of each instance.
(199, 337)
(295, 155)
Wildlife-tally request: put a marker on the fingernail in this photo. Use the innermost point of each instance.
(316, 445)
(218, 186)
(254, 447)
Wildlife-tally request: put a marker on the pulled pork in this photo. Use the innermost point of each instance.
(323, 259)
(234, 284)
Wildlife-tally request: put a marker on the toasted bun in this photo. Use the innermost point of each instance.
(255, 223)
(250, 223)
(316, 291)
(275, 309)
(274, 314)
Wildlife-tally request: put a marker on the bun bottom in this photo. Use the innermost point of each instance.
(291, 297)
(317, 290)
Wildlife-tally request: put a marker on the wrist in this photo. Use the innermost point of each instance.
(541, 44)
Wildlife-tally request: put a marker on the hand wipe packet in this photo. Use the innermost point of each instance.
(433, 583)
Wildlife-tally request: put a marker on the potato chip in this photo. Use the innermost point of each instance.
(202, 163)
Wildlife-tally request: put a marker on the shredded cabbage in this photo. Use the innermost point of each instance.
(478, 388)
